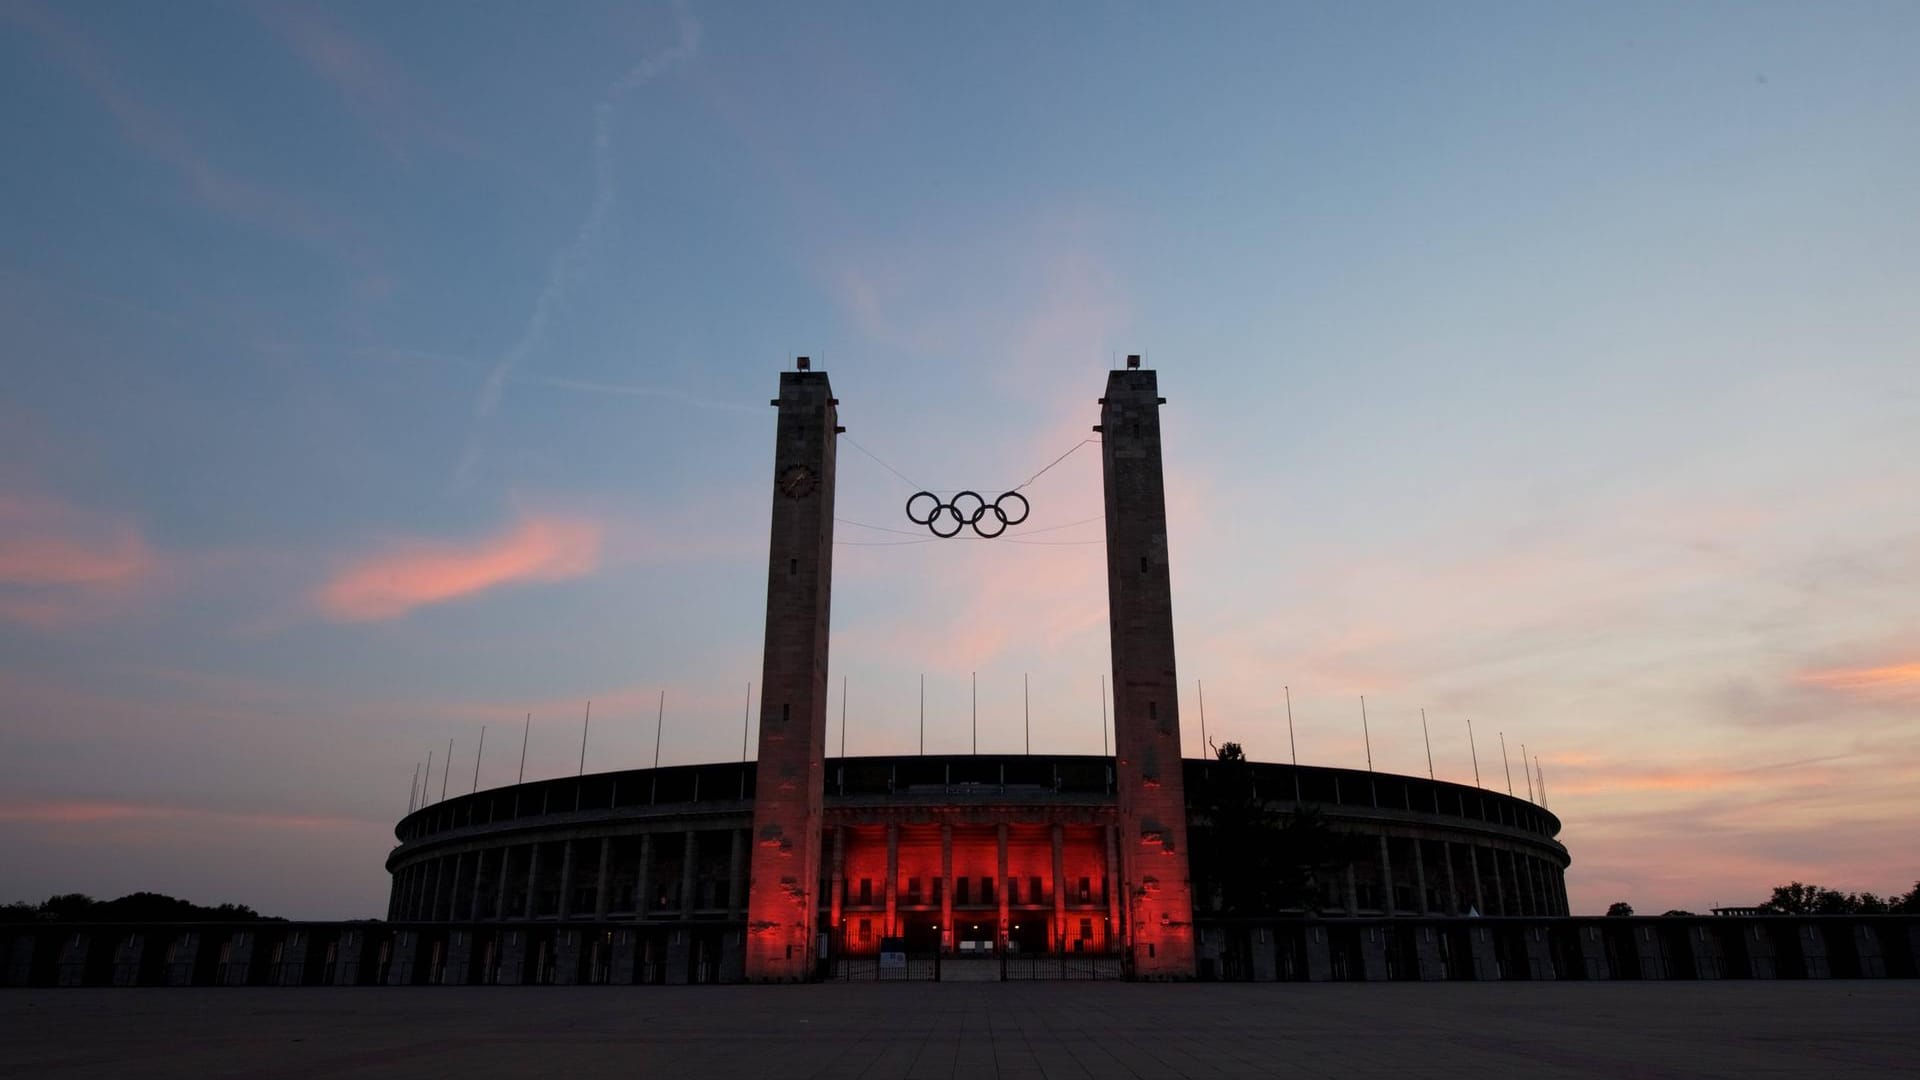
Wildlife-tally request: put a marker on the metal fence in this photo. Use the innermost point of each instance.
(1022, 967)
(991, 967)
(909, 967)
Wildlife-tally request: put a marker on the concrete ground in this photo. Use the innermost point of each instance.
(1745, 1029)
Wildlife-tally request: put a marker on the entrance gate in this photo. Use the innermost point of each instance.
(978, 967)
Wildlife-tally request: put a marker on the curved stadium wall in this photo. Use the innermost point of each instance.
(954, 854)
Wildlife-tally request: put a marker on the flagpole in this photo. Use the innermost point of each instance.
(746, 717)
(523, 750)
(1206, 745)
(1508, 769)
(477, 755)
(1103, 714)
(1373, 786)
(659, 721)
(1292, 749)
(1364, 733)
(584, 724)
(1476, 752)
(1428, 739)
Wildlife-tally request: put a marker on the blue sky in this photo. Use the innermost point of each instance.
(376, 372)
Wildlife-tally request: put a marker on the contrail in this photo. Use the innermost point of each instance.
(565, 266)
(632, 390)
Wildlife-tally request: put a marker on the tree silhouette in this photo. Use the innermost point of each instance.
(133, 907)
(1256, 859)
(1798, 898)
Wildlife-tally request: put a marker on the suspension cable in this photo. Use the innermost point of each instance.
(1057, 461)
(911, 482)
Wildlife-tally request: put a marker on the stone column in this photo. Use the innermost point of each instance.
(689, 868)
(564, 905)
(1149, 802)
(439, 887)
(1486, 965)
(1499, 883)
(1420, 876)
(423, 899)
(946, 888)
(1059, 887)
(893, 879)
(533, 878)
(454, 893)
(836, 903)
(604, 878)
(1453, 889)
(500, 887)
(784, 907)
(1353, 894)
(479, 875)
(736, 873)
(1000, 939)
(1526, 880)
(1116, 926)
(643, 883)
(1386, 877)
(1473, 871)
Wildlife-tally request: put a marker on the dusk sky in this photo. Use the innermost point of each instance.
(375, 372)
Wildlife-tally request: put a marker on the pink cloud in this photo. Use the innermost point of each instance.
(1892, 680)
(413, 574)
(59, 561)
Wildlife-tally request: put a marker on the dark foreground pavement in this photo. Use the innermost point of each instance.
(1745, 1029)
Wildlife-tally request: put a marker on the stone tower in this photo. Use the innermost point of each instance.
(1146, 718)
(790, 775)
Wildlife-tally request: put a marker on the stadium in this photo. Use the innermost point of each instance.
(973, 857)
(779, 869)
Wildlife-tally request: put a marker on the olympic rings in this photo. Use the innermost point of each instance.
(962, 513)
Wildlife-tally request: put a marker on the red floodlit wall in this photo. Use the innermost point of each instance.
(1048, 921)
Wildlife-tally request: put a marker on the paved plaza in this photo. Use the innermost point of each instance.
(1745, 1029)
